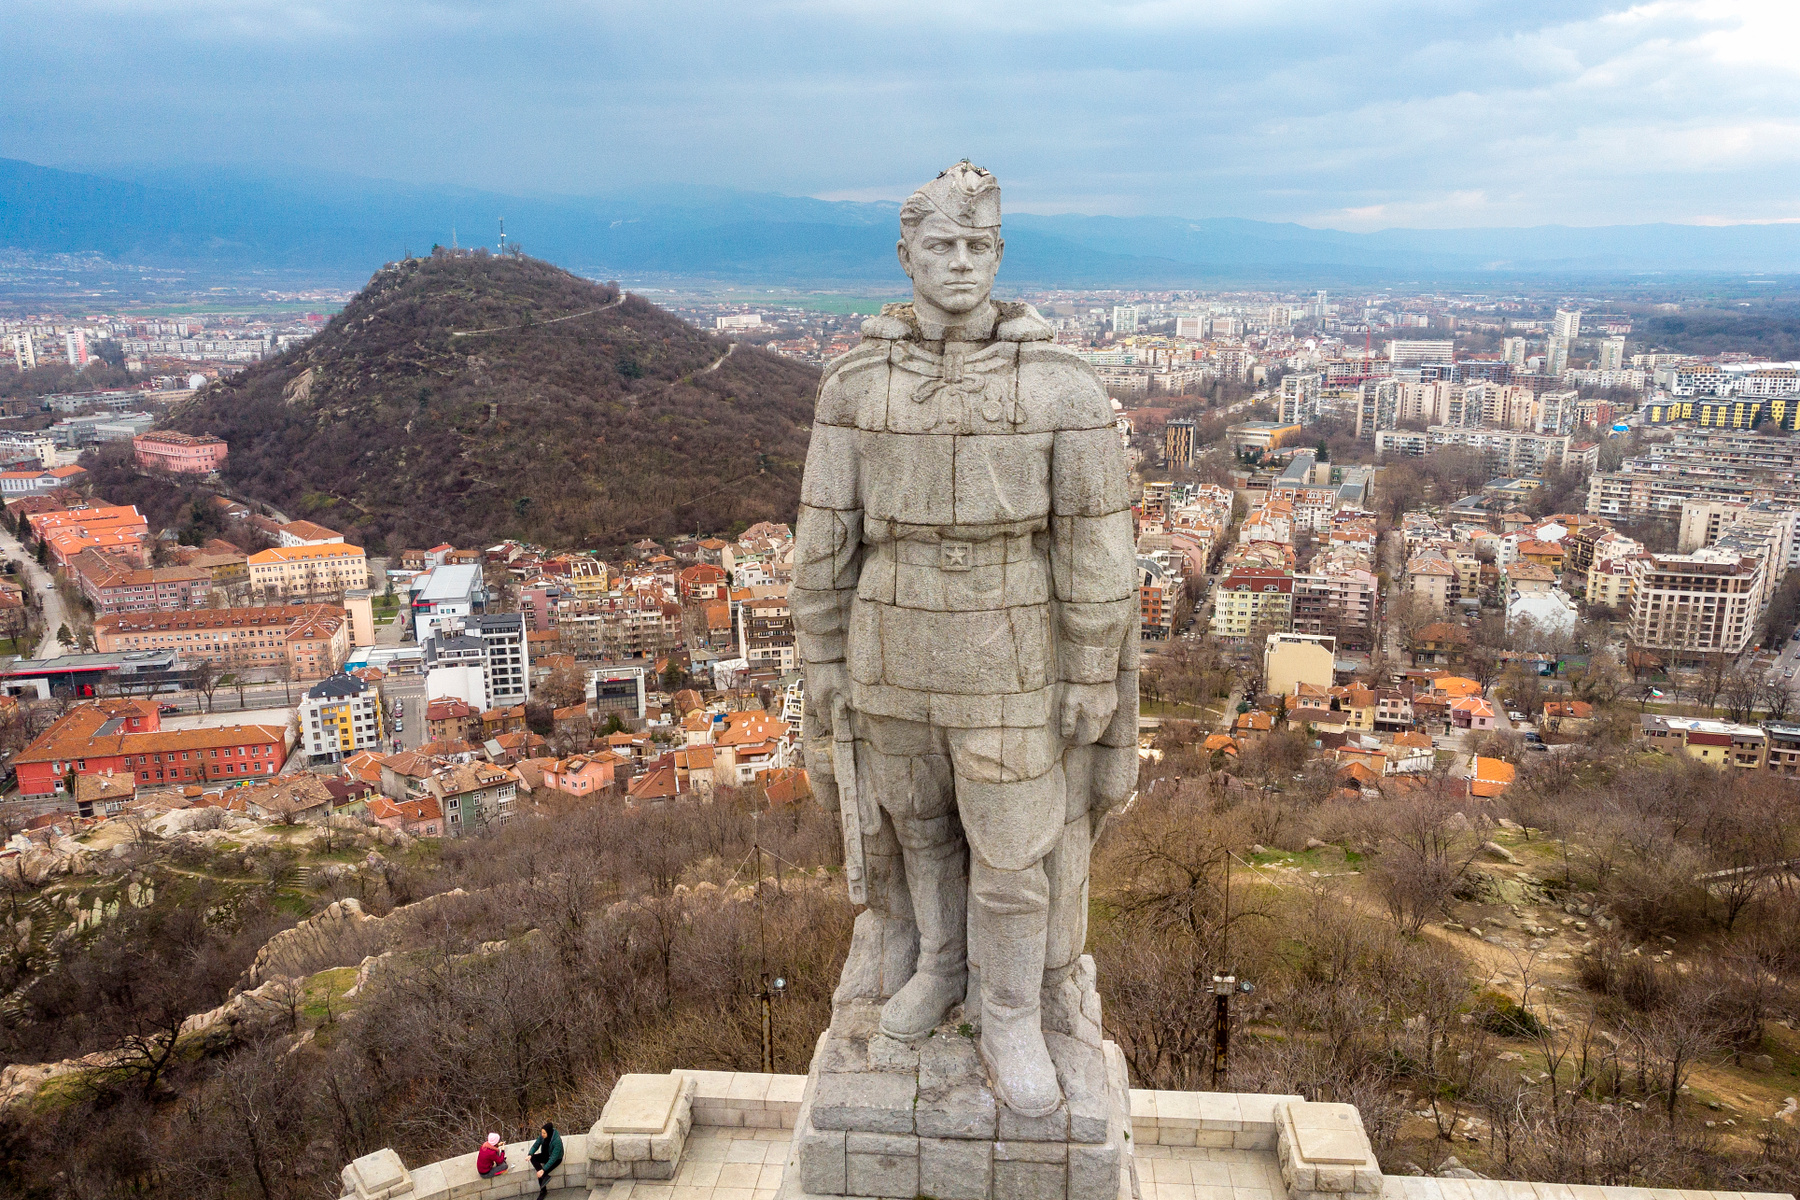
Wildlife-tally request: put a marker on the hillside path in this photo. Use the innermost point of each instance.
(456, 333)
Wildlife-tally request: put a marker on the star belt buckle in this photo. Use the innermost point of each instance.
(955, 556)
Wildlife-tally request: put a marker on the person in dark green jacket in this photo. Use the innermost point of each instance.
(546, 1156)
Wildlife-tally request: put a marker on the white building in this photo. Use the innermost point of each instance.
(1567, 325)
(340, 716)
(1411, 354)
(1301, 398)
(1550, 613)
(42, 445)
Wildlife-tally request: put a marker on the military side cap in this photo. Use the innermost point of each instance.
(966, 194)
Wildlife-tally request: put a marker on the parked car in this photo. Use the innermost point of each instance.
(1514, 716)
(166, 709)
(399, 726)
(1537, 746)
(1533, 736)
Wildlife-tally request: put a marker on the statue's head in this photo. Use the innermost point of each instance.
(950, 239)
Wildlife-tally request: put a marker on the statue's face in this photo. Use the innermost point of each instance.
(952, 266)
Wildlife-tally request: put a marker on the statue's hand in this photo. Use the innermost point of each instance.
(825, 682)
(1087, 709)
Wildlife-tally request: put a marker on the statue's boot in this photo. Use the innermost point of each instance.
(1012, 978)
(938, 882)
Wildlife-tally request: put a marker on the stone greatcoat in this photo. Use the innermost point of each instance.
(965, 546)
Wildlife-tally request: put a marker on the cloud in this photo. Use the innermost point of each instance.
(1382, 112)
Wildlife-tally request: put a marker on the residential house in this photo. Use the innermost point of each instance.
(1491, 777)
(1568, 716)
(1441, 644)
(1472, 712)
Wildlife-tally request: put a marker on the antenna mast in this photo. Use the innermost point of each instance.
(503, 235)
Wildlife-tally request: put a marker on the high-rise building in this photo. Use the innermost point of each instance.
(1568, 324)
(1320, 306)
(1612, 354)
(1556, 355)
(1377, 407)
(1192, 328)
(1301, 398)
(24, 352)
(1512, 350)
(1178, 443)
(1695, 604)
(75, 348)
(1124, 318)
(493, 641)
(1280, 317)
(1224, 328)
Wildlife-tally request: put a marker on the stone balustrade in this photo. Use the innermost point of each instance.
(1253, 1146)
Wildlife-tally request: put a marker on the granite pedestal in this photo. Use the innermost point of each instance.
(883, 1118)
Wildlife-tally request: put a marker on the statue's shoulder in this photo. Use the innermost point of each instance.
(1019, 322)
(894, 323)
(843, 382)
(1071, 392)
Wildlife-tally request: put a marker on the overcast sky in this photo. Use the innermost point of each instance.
(1355, 114)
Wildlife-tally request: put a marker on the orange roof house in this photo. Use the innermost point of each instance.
(1492, 776)
(1254, 721)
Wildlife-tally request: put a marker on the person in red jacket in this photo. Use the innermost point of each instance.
(491, 1158)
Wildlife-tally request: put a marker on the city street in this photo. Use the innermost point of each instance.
(43, 586)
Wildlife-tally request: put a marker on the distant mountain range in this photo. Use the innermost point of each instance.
(346, 227)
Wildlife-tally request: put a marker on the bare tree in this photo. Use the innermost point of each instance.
(205, 677)
(1425, 852)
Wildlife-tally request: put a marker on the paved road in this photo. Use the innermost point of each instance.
(44, 586)
(409, 690)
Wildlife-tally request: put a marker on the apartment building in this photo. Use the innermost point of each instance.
(1338, 600)
(1509, 452)
(182, 453)
(1302, 397)
(493, 642)
(1158, 590)
(1695, 604)
(308, 572)
(309, 640)
(126, 738)
(1251, 598)
(338, 717)
(1699, 465)
(766, 631)
(113, 585)
(1178, 443)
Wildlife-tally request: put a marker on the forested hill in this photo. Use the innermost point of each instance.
(469, 397)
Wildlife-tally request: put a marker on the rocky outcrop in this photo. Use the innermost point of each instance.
(341, 930)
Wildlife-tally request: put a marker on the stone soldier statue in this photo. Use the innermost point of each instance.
(966, 605)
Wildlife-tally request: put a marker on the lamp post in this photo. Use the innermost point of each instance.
(766, 997)
(1223, 985)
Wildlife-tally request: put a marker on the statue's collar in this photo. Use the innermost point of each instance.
(1005, 320)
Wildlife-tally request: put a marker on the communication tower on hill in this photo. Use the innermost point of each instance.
(503, 235)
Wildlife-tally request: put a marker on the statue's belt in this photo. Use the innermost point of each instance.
(952, 554)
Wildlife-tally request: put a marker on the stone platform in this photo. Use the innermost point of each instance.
(886, 1118)
(742, 1145)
